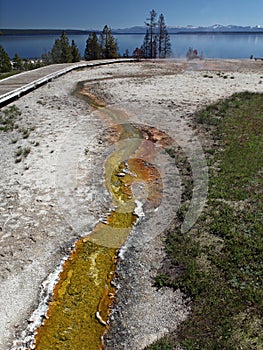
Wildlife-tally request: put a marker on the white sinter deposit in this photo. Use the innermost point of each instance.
(55, 193)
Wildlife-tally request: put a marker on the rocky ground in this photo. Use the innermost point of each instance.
(52, 185)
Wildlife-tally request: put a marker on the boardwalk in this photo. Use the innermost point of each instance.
(17, 85)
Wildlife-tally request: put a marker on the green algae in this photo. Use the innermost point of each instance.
(84, 291)
(79, 311)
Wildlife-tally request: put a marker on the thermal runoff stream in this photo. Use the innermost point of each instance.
(78, 314)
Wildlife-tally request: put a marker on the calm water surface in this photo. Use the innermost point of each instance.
(211, 45)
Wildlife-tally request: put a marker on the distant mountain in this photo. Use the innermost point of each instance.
(43, 31)
(131, 30)
(215, 29)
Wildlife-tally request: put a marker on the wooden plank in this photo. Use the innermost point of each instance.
(17, 85)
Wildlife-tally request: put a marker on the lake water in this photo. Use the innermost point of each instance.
(211, 45)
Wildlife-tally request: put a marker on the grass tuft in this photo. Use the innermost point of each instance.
(8, 117)
(219, 262)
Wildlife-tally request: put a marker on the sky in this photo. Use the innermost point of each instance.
(94, 14)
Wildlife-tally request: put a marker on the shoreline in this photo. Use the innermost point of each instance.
(37, 229)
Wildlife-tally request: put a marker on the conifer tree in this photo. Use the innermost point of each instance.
(46, 58)
(164, 45)
(167, 49)
(108, 44)
(75, 52)
(154, 46)
(146, 45)
(61, 50)
(56, 52)
(156, 40)
(5, 63)
(126, 53)
(92, 50)
(151, 25)
(103, 47)
(66, 55)
(137, 53)
(112, 47)
(17, 62)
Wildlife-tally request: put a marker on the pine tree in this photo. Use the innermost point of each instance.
(103, 47)
(146, 52)
(103, 42)
(164, 46)
(75, 52)
(46, 58)
(156, 40)
(126, 53)
(56, 52)
(154, 46)
(167, 45)
(137, 53)
(151, 25)
(61, 50)
(18, 62)
(112, 47)
(92, 50)
(108, 45)
(66, 55)
(5, 64)
(161, 30)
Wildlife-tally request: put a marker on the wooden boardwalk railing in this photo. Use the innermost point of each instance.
(20, 84)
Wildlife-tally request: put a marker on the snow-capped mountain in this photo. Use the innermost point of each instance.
(215, 28)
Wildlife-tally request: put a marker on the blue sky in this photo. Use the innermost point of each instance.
(94, 14)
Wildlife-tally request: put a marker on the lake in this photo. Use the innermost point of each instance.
(210, 45)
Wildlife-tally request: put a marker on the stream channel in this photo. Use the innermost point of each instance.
(78, 314)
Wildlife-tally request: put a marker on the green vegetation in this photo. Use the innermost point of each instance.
(79, 310)
(77, 316)
(156, 40)
(165, 343)
(103, 47)
(97, 47)
(75, 52)
(8, 68)
(8, 117)
(17, 62)
(92, 50)
(62, 51)
(5, 64)
(7, 74)
(218, 263)
(8, 122)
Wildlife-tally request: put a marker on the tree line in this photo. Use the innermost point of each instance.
(156, 43)
(61, 52)
(97, 47)
(102, 46)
